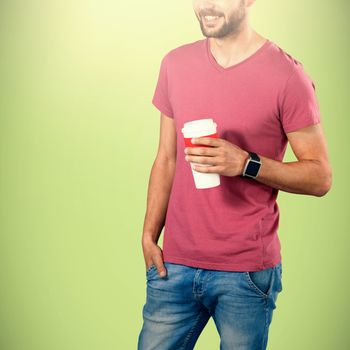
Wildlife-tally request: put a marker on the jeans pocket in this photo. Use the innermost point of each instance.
(261, 281)
(152, 267)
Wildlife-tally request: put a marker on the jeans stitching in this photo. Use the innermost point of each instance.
(251, 284)
(191, 331)
(265, 330)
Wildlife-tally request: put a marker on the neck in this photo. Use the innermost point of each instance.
(234, 48)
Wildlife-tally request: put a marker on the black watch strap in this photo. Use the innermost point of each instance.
(254, 156)
(252, 166)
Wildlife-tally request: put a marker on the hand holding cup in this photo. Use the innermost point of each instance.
(222, 157)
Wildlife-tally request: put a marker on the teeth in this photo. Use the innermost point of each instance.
(210, 17)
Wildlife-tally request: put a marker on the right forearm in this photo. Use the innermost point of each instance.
(159, 188)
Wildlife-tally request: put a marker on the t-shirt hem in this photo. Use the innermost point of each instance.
(222, 266)
(296, 127)
(162, 109)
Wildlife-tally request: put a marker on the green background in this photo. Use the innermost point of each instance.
(78, 138)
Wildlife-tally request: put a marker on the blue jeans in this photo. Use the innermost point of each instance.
(179, 305)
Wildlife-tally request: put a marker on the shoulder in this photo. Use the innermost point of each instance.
(186, 52)
(285, 64)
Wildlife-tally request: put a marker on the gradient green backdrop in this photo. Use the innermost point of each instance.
(78, 138)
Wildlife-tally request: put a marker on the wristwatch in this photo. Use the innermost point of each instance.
(252, 166)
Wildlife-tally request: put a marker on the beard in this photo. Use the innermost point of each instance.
(229, 28)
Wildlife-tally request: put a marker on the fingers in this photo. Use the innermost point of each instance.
(203, 160)
(211, 141)
(158, 262)
(204, 151)
(217, 169)
(153, 255)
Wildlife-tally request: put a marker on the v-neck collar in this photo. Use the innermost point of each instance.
(220, 68)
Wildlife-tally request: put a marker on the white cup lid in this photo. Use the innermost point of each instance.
(199, 125)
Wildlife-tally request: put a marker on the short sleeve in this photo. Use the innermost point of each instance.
(161, 95)
(298, 105)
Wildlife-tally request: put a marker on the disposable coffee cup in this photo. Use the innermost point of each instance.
(201, 128)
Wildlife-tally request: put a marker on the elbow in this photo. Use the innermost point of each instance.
(326, 184)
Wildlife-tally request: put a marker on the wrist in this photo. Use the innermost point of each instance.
(245, 158)
(148, 238)
(252, 166)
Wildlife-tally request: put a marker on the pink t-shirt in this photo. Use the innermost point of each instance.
(231, 227)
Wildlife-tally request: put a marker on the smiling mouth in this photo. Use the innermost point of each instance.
(210, 20)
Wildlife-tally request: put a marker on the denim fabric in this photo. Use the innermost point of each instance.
(179, 306)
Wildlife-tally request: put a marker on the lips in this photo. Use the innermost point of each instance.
(210, 20)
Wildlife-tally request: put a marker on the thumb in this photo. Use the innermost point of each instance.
(158, 261)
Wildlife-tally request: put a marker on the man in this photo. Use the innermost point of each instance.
(221, 253)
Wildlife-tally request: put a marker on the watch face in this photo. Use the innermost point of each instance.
(252, 168)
